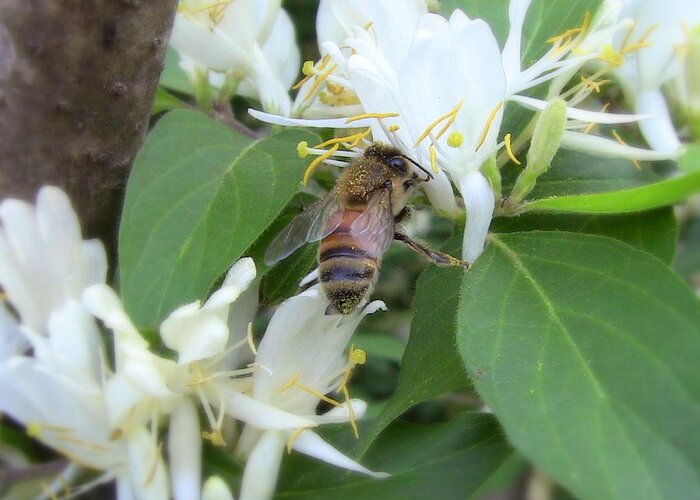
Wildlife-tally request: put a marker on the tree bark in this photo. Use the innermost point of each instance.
(77, 81)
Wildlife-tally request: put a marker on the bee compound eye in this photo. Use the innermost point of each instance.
(397, 163)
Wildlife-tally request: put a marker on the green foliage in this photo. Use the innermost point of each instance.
(585, 348)
(446, 460)
(655, 195)
(198, 196)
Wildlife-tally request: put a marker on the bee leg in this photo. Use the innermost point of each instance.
(438, 258)
(403, 215)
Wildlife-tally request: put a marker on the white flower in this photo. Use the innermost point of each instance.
(44, 262)
(302, 356)
(653, 50)
(246, 47)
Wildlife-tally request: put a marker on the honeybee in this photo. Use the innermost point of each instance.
(356, 223)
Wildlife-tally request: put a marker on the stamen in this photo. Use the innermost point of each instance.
(293, 438)
(609, 55)
(394, 128)
(351, 411)
(308, 69)
(154, 467)
(353, 140)
(449, 116)
(294, 382)
(433, 158)
(455, 139)
(487, 126)
(314, 164)
(319, 80)
(249, 337)
(48, 491)
(357, 356)
(370, 115)
(593, 85)
(303, 149)
(642, 42)
(509, 150)
(623, 143)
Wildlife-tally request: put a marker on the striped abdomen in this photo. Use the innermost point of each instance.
(347, 272)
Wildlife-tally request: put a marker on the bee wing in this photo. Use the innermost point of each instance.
(376, 224)
(314, 223)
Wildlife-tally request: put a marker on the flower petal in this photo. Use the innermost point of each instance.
(311, 444)
(260, 415)
(599, 146)
(581, 114)
(479, 202)
(185, 450)
(658, 129)
(216, 488)
(262, 467)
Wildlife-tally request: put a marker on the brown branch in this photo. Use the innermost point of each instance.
(77, 81)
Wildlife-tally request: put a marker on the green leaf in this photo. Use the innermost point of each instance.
(165, 101)
(586, 350)
(282, 281)
(380, 345)
(494, 12)
(690, 161)
(447, 460)
(575, 173)
(173, 77)
(637, 199)
(198, 196)
(431, 366)
(654, 231)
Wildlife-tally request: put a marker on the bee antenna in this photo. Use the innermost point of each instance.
(430, 176)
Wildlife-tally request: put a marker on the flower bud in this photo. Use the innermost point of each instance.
(543, 146)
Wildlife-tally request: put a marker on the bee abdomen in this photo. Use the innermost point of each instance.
(346, 279)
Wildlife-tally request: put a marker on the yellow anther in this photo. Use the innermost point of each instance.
(455, 139)
(320, 78)
(294, 382)
(308, 68)
(334, 88)
(303, 149)
(487, 126)
(611, 56)
(293, 439)
(368, 25)
(357, 356)
(509, 150)
(378, 116)
(394, 128)
(214, 437)
(593, 85)
(621, 141)
(249, 338)
(450, 116)
(433, 158)
(34, 430)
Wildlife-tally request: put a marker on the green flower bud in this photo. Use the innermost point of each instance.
(543, 146)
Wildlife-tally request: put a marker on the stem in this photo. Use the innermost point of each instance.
(223, 113)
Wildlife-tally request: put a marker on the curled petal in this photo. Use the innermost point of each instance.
(479, 202)
(311, 444)
(581, 114)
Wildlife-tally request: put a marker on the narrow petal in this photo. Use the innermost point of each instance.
(300, 122)
(262, 467)
(608, 148)
(517, 9)
(340, 414)
(658, 129)
(581, 114)
(479, 202)
(185, 451)
(261, 415)
(311, 444)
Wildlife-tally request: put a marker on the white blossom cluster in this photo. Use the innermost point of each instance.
(57, 377)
